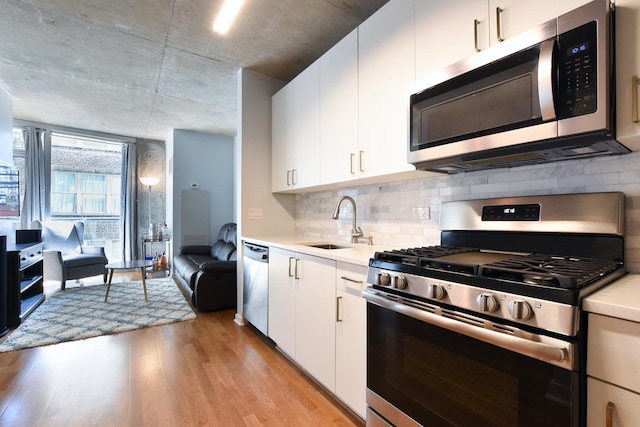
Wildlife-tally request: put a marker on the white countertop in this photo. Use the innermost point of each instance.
(351, 253)
(620, 299)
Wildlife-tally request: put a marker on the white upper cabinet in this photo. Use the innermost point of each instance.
(296, 132)
(448, 31)
(386, 55)
(627, 66)
(339, 154)
(509, 18)
(281, 154)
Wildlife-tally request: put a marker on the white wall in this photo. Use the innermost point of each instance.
(208, 161)
(6, 127)
(6, 151)
(253, 168)
(254, 147)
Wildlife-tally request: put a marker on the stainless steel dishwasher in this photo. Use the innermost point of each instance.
(256, 286)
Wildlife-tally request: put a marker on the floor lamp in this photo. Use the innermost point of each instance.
(149, 181)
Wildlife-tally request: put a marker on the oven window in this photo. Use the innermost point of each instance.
(441, 378)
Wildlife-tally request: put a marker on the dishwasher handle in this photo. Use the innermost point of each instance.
(256, 252)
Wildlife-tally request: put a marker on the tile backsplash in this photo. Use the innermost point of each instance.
(406, 213)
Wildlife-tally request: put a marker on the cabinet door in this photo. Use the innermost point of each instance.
(627, 66)
(315, 315)
(625, 405)
(386, 58)
(282, 316)
(612, 347)
(339, 156)
(517, 16)
(281, 150)
(304, 121)
(351, 337)
(295, 152)
(445, 32)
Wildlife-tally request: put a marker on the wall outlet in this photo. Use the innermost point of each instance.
(422, 212)
(256, 213)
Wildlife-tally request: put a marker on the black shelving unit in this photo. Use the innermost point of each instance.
(25, 290)
(3, 286)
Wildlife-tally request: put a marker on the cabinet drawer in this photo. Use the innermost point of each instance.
(613, 351)
(351, 277)
(30, 255)
(626, 404)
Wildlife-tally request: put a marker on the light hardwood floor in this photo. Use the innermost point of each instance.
(203, 372)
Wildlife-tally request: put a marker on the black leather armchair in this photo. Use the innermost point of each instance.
(207, 274)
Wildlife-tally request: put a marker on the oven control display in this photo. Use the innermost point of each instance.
(511, 213)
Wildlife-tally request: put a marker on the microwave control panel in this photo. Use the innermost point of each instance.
(577, 71)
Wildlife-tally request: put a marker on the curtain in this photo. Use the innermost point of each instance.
(35, 191)
(128, 197)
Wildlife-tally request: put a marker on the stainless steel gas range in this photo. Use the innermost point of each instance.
(487, 328)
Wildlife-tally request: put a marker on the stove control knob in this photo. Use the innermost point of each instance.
(383, 279)
(399, 282)
(520, 310)
(487, 302)
(436, 292)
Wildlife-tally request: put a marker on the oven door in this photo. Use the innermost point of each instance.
(424, 368)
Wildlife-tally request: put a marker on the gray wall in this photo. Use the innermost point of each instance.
(208, 161)
(389, 212)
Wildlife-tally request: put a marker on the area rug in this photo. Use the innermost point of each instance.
(78, 313)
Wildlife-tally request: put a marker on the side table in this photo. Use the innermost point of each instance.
(153, 243)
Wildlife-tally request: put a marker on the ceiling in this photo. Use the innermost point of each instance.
(140, 68)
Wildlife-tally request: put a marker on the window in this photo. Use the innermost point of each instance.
(84, 184)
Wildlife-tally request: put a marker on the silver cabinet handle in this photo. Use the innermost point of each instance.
(545, 80)
(609, 414)
(290, 258)
(476, 41)
(499, 24)
(338, 317)
(351, 280)
(351, 164)
(295, 275)
(634, 99)
(361, 161)
(294, 177)
(288, 177)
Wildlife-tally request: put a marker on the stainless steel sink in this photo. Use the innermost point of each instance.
(327, 246)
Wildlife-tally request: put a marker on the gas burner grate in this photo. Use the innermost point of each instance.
(549, 270)
(420, 256)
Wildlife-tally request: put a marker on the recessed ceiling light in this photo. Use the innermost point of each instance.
(226, 15)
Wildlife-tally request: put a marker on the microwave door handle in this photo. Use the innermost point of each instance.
(545, 81)
(538, 350)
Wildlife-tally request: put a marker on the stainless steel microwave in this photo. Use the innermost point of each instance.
(545, 95)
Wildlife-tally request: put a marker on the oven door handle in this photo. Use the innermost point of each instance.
(537, 350)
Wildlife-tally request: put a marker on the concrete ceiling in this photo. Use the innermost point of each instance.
(143, 67)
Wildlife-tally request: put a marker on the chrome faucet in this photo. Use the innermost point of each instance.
(356, 232)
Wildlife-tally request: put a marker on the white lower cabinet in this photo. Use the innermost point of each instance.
(315, 308)
(351, 336)
(613, 383)
(302, 311)
(623, 404)
(317, 316)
